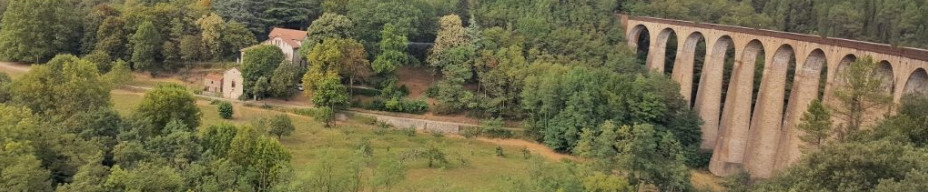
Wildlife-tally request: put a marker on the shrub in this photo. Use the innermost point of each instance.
(471, 132)
(499, 151)
(225, 110)
(411, 131)
(493, 128)
(399, 105)
(432, 91)
(280, 125)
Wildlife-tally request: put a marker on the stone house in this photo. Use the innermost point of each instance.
(212, 84)
(232, 84)
(289, 42)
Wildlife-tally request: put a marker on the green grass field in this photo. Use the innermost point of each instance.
(484, 171)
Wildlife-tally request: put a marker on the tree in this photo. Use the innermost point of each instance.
(34, 31)
(266, 157)
(62, 87)
(259, 62)
(324, 115)
(145, 177)
(328, 26)
(652, 158)
(112, 38)
(284, 80)
(211, 28)
(280, 126)
(235, 37)
(388, 173)
(119, 74)
(225, 110)
(190, 48)
(861, 91)
(816, 124)
(166, 103)
(330, 92)
(392, 51)
(584, 146)
(450, 35)
(5, 82)
(354, 62)
(146, 43)
(261, 88)
(101, 59)
(599, 182)
(850, 166)
(22, 171)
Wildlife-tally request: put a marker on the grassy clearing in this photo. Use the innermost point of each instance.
(483, 170)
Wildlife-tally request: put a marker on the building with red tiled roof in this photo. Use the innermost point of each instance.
(289, 42)
(213, 83)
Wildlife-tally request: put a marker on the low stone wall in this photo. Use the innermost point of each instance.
(418, 124)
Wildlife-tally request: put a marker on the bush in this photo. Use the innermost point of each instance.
(432, 91)
(493, 128)
(225, 110)
(471, 132)
(398, 105)
(411, 131)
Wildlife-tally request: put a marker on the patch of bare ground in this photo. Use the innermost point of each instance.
(417, 79)
(535, 148)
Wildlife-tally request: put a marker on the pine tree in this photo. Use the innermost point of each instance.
(816, 124)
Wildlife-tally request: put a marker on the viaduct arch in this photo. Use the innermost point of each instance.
(757, 132)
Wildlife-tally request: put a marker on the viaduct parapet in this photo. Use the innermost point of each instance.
(760, 136)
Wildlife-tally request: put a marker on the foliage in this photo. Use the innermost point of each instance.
(816, 124)
(225, 110)
(651, 157)
(280, 125)
(861, 90)
(5, 82)
(211, 27)
(388, 173)
(850, 167)
(34, 31)
(259, 61)
(325, 115)
(166, 103)
(330, 92)
(284, 80)
(261, 88)
(119, 74)
(145, 47)
(392, 51)
(62, 87)
(398, 105)
(328, 26)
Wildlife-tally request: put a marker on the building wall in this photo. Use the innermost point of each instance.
(232, 84)
(212, 85)
(290, 53)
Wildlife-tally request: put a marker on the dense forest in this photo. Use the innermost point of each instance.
(562, 68)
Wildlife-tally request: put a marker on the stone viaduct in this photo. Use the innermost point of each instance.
(759, 136)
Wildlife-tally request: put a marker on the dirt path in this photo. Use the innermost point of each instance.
(15, 66)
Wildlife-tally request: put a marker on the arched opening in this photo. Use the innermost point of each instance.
(699, 59)
(767, 121)
(658, 55)
(759, 65)
(799, 95)
(670, 56)
(642, 42)
(710, 91)
(739, 105)
(886, 75)
(845, 63)
(917, 83)
(727, 67)
(790, 79)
